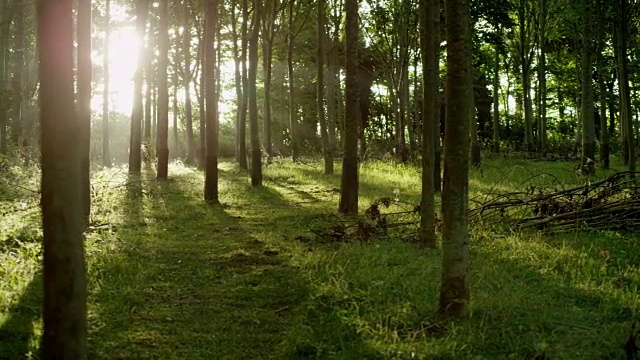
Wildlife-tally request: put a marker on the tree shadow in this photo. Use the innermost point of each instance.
(191, 280)
(17, 333)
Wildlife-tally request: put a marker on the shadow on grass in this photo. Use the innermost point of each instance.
(17, 332)
(195, 281)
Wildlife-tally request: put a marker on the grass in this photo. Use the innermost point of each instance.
(173, 278)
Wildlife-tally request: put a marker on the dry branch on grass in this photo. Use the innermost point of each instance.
(609, 204)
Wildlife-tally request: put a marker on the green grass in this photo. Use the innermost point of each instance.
(173, 278)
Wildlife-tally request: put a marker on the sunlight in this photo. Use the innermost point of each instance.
(124, 48)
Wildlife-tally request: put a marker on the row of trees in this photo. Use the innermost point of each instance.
(64, 120)
(535, 54)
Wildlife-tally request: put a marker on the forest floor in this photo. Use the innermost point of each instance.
(171, 277)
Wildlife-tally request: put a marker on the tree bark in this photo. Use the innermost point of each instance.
(210, 65)
(135, 143)
(83, 101)
(349, 180)
(18, 71)
(256, 152)
(162, 146)
(428, 43)
(454, 291)
(106, 157)
(188, 107)
(293, 116)
(628, 142)
(542, 78)
(437, 168)
(64, 309)
(588, 130)
(496, 101)
(242, 141)
(324, 135)
(5, 25)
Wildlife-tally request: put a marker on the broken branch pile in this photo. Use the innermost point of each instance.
(609, 204)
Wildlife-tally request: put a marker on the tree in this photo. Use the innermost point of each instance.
(135, 143)
(209, 67)
(588, 130)
(84, 99)
(349, 179)
(162, 146)
(293, 116)
(241, 151)
(188, 111)
(622, 21)
(256, 152)
(429, 9)
(18, 71)
(64, 310)
(6, 17)
(324, 135)
(602, 90)
(106, 157)
(454, 290)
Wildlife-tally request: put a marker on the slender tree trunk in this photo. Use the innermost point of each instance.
(293, 116)
(162, 147)
(331, 98)
(242, 142)
(64, 308)
(210, 65)
(5, 26)
(588, 131)
(106, 157)
(475, 155)
(18, 72)
(188, 111)
(202, 103)
(602, 90)
(174, 116)
(326, 148)
(496, 102)
(256, 152)
(83, 101)
(629, 149)
(437, 168)
(542, 78)
(454, 291)
(241, 157)
(349, 180)
(429, 9)
(135, 155)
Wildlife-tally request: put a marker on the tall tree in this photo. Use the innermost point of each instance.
(526, 46)
(429, 9)
(18, 71)
(241, 152)
(602, 90)
(240, 121)
(186, 54)
(210, 65)
(454, 290)
(269, 25)
(293, 110)
(83, 102)
(324, 134)
(542, 76)
(6, 18)
(106, 157)
(496, 99)
(588, 130)
(64, 310)
(256, 151)
(349, 180)
(622, 22)
(162, 146)
(135, 143)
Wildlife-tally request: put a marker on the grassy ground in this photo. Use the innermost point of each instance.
(173, 278)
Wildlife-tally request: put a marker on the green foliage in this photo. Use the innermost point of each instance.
(171, 277)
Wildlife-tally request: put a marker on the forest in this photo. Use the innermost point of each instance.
(330, 179)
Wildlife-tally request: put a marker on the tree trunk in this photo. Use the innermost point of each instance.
(242, 141)
(149, 53)
(293, 120)
(210, 65)
(202, 153)
(256, 152)
(18, 71)
(428, 43)
(588, 130)
(174, 116)
(496, 102)
(349, 180)
(437, 168)
(5, 25)
(188, 111)
(106, 157)
(542, 78)
(324, 135)
(135, 143)
(162, 146)
(238, 84)
(83, 101)
(602, 90)
(64, 308)
(473, 122)
(629, 149)
(454, 291)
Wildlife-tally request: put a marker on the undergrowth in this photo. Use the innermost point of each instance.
(171, 277)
